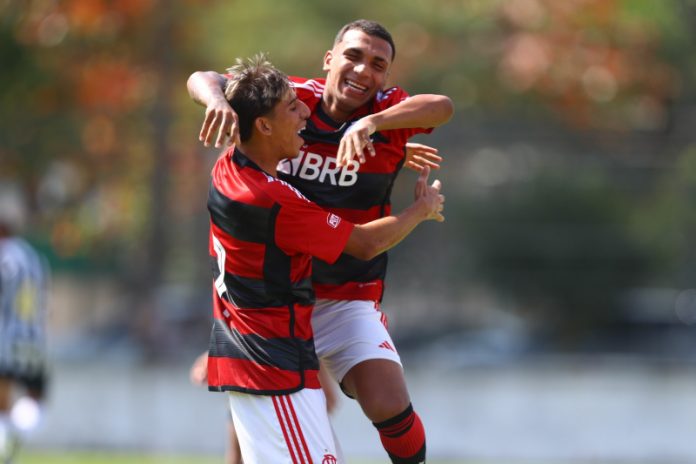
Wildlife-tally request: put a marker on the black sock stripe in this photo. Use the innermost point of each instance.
(396, 419)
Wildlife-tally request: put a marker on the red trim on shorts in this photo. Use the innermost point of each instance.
(290, 425)
(281, 421)
(297, 425)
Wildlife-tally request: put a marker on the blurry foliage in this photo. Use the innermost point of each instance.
(563, 247)
(97, 124)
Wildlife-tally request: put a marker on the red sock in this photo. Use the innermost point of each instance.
(403, 437)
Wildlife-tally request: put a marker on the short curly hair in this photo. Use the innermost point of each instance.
(253, 90)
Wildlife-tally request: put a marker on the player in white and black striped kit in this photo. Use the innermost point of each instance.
(23, 293)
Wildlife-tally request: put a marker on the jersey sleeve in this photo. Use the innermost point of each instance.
(394, 96)
(303, 227)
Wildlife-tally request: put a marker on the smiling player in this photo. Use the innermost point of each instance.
(352, 114)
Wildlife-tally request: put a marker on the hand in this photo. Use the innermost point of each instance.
(418, 156)
(220, 117)
(199, 370)
(355, 141)
(431, 197)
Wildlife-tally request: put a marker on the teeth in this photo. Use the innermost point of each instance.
(355, 85)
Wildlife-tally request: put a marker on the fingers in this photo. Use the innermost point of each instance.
(220, 119)
(419, 155)
(420, 149)
(370, 147)
(225, 129)
(206, 127)
(423, 176)
(353, 145)
(422, 183)
(437, 185)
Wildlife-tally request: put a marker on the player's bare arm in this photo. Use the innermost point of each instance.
(369, 240)
(424, 110)
(206, 89)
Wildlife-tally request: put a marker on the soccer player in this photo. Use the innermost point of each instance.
(23, 293)
(351, 113)
(263, 235)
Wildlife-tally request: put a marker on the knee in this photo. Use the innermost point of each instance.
(385, 404)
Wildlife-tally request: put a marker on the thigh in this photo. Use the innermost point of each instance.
(349, 332)
(280, 429)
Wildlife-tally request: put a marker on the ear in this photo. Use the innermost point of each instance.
(263, 126)
(327, 60)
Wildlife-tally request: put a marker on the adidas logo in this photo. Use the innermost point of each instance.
(387, 346)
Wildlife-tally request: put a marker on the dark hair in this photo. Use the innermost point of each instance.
(254, 89)
(372, 28)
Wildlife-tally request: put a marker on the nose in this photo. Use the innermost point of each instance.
(360, 68)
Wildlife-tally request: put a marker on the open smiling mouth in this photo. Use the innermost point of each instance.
(355, 86)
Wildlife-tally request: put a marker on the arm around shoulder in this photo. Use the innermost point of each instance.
(422, 110)
(206, 86)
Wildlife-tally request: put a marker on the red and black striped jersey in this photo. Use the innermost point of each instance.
(263, 234)
(358, 193)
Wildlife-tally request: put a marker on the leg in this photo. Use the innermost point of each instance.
(380, 388)
(233, 455)
(355, 346)
(5, 394)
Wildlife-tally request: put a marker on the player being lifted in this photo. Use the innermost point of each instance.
(351, 113)
(263, 235)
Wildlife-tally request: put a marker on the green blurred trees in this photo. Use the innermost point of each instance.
(96, 122)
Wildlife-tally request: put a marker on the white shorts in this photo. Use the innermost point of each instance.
(348, 332)
(285, 429)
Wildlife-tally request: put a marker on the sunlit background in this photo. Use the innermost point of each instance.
(551, 317)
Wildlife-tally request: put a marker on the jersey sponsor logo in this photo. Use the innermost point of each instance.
(312, 166)
(333, 220)
(387, 346)
(329, 459)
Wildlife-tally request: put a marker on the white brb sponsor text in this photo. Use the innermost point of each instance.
(311, 166)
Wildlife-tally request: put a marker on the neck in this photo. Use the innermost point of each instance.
(333, 109)
(261, 154)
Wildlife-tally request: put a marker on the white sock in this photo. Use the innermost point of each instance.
(25, 415)
(6, 438)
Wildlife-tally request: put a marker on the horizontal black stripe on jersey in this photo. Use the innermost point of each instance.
(312, 134)
(349, 269)
(289, 354)
(240, 220)
(369, 190)
(244, 292)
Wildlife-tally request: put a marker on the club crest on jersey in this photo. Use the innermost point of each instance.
(333, 220)
(329, 459)
(312, 166)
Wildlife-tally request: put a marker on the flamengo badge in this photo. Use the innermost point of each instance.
(329, 459)
(333, 220)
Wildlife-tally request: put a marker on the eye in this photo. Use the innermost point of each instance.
(379, 66)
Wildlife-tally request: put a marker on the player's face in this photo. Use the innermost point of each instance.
(357, 67)
(288, 118)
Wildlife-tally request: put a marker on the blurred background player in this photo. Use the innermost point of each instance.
(198, 375)
(23, 293)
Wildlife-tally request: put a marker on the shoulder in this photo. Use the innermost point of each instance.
(308, 89)
(391, 96)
